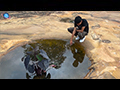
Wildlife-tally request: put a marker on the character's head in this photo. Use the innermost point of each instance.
(78, 20)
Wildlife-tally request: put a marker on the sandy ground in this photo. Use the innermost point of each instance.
(102, 44)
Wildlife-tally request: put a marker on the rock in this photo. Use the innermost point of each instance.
(96, 26)
(111, 48)
(114, 52)
(106, 41)
(66, 20)
(94, 36)
(108, 69)
(106, 75)
(44, 26)
(106, 20)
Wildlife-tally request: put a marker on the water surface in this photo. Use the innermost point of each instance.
(71, 61)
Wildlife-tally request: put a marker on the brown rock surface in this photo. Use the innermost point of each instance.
(102, 44)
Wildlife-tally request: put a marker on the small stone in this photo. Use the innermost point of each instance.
(106, 75)
(95, 27)
(106, 41)
(94, 36)
(111, 48)
(114, 52)
(106, 20)
(67, 20)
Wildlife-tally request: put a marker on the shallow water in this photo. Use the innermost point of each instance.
(71, 61)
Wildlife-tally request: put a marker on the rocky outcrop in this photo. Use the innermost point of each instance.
(102, 44)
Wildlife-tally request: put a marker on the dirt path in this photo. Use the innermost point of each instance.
(102, 44)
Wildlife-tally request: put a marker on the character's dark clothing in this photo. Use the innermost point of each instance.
(84, 23)
(84, 33)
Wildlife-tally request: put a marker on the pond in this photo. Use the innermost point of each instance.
(71, 61)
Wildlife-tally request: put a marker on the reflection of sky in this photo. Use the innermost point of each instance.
(68, 71)
(11, 65)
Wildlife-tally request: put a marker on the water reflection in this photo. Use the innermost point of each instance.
(71, 61)
(55, 50)
(78, 54)
(43, 76)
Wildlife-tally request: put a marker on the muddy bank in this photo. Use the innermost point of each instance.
(102, 44)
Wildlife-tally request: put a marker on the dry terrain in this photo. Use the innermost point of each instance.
(102, 44)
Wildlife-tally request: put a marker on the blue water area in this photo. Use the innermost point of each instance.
(71, 61)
